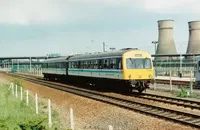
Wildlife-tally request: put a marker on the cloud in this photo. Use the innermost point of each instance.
(29, 11)
(172, 6)
(26, 12)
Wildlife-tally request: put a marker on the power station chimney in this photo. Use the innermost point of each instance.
(194, 37)
(166, 43)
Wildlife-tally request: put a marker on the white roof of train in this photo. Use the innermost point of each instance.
(101, 55)
(60, 59)
(118, 53)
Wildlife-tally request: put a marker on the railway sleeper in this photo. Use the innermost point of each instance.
(179, 117)
(195, 121)
(188, 119)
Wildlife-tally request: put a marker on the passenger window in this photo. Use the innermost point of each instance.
(74, 65)
(95, 64)
(84, 64)
(112, 63)
(100, 64)
(119, 63)
(70, 65)
(106, 64)
(199, 66)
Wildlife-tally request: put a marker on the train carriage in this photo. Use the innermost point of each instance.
(128, 69)
(197, 72)
(54, 68)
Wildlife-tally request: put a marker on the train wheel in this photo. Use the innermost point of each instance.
(140, 90)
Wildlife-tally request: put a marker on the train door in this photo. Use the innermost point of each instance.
(67, 66)
(197, 74)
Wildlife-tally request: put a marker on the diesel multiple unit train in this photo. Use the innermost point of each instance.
(128, 69)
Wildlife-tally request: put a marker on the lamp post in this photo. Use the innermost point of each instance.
(155, 42)
(180, 66)
(181, 62)
(104, 48)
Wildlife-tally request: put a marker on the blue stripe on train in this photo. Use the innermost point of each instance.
(101, 71)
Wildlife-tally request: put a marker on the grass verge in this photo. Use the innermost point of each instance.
(16, 115)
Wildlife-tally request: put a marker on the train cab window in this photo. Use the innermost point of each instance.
(138, 63)
(147, 63)
(130, 63)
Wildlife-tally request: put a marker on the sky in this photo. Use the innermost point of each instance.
(41, 27)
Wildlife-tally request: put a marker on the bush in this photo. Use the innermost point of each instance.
(18, 82)
(182, 93)
(32, 125)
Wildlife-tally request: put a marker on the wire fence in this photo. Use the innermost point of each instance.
(24, 95)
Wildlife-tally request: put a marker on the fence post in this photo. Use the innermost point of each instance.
(36, 103)
(110, 127)
(71, 119)
(191, 82)
(154, 85)
(16, 90)
(49, 113)
(170, 79)
(27, 97)
(12, 88)
(21, 93)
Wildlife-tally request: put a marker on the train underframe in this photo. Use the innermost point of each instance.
(124, 86)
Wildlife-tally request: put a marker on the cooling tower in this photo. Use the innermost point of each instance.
(194, 38)
(166, 43)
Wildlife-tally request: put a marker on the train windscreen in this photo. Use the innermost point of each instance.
(139, 63)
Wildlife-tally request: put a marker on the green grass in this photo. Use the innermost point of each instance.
(16, 115)
(183, 94)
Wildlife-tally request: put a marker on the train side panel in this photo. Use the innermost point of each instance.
(197, 75)
(59, 71)
(97, 73)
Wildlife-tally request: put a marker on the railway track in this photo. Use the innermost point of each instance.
(185, 118)
(168, 100)
(172, 100)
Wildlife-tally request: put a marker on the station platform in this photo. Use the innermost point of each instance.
(174, 78)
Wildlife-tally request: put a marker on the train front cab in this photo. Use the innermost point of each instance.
(138, 70)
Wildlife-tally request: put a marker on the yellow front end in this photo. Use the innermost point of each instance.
(143, 74)
(137, 65)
